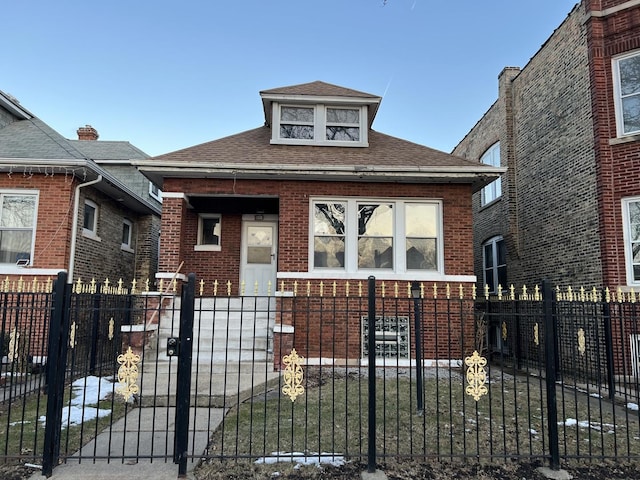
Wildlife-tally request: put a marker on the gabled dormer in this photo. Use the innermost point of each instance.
(319, 114)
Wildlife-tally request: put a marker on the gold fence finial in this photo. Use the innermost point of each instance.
(335, 287)
(321, 288)
(448, 291)
(499, 292)
(134, 283)
(383, 289)
(486, 291)
(474, 291)
(461, 291)
(395, 289)
(215, 288)
(228, 288)
(346, 288)
(269, 285)
(201, 287)
(435, 290)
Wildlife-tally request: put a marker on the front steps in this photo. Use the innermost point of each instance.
(232, 356)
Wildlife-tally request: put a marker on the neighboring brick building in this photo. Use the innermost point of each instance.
(567, 126)
(72, 205)
(316, 195)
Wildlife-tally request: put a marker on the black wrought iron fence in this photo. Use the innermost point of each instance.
(440, 375)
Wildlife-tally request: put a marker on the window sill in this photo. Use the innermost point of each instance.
(493, 202)
(127, 248)
(311, 143)
(91, 235)
(625, 139)
(207, 248)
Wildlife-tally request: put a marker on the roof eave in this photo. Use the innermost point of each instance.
(477, 176)
(85, 171)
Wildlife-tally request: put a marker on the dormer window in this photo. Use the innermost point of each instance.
(319, 125)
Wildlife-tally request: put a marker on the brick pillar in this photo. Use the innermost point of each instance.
(174, 209)
(283, 332)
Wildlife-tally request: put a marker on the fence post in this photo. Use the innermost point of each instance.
(371, 443)
(95, 328)
(548, 297)
(183, 384)
(55, 373)
(415, 293)
(608, 341)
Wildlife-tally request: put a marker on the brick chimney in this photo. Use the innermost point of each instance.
(87, 133)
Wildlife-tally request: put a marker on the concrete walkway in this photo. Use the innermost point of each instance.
(143, 437)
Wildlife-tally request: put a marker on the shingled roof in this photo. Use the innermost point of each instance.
(250, 154)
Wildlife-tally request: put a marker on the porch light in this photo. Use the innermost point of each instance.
(415, 289)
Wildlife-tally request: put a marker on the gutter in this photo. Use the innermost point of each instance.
(74, 229)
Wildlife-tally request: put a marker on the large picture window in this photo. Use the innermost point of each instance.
(354, 235)
(626, 73)
(17, 227)
(492, 191)
(631, 215)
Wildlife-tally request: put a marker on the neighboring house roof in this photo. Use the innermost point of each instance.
(251, 155)
(109, 151)
(27, 144)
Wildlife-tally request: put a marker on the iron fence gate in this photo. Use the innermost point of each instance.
(430, 373)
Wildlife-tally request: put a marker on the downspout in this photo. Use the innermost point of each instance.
(74, 229)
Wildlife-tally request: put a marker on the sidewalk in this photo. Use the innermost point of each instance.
(142, 434)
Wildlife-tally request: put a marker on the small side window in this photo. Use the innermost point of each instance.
(90, 219)
(127, 234)
(209, 230)
(155, 192)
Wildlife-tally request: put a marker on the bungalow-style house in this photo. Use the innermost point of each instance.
(315, 194)
(72, 205)
(567, 126)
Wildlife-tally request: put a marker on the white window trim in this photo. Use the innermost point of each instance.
(628, 253)
(152, 194)
(91, 232)
(36, 193)
(494, 187)
(399, 239)
(319, 126)
(200, 247)
(127, 247)
(617, 95)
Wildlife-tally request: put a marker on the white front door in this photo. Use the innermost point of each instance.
(258, 265)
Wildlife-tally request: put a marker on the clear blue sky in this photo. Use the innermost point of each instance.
(166, 75)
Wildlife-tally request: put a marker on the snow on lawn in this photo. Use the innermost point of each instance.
(303, 459)
(632, 406)
(83, 407)
(572, 422)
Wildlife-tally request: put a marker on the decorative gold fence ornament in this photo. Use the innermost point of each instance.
(293, 375)
(128, 374)
(536, 338)
(72, 335)
(476, 376)
(112, 326)
(504, 330)
(582, 342)
(13, 353)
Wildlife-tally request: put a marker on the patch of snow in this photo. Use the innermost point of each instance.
(86, 393)
(300, 458)
(533, 431)
(632, 406)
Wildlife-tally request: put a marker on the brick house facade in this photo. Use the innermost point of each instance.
(315, 196)
(566, 208)
(47, 185)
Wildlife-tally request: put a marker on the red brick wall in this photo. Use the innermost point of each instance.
(617, 162)
(54, 223)
(179, 225)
